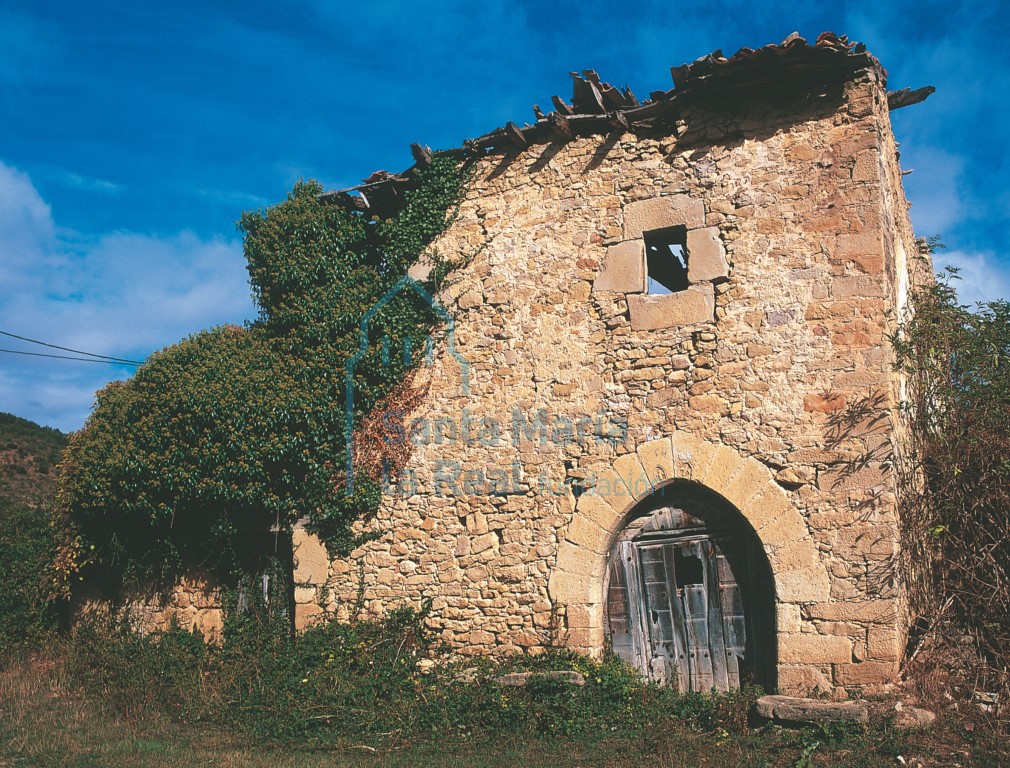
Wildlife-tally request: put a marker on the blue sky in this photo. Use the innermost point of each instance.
(133, 135)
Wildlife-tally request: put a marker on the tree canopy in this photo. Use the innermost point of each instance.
(236, 430)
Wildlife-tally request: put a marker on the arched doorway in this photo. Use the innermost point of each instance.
(688, 595)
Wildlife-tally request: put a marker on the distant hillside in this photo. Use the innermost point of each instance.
(28, 456)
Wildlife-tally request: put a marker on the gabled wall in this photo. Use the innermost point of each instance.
(771, 373)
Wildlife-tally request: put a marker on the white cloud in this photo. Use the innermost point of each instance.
(981, 276)
(86, 183)
(26, 225)
(233, 198)
(123, 294)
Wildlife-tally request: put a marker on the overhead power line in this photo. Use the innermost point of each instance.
(65, 357)
(99, 358)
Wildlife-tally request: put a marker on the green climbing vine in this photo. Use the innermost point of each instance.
(235, 431)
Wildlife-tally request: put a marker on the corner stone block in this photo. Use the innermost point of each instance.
(584, 640)
(306, 595)
(804, 585)
(657, 461)
(634, 476)
(883, 644)
(312, 563)
(611, 489)
(865, 248)
(210, 623)
(814, 649)
(723, 466)
(774, 517)
(751, 480)
(306, 615)
(866, 673)
(420, 271)
(576, 560)
(567, 588)
(788, 618)
(623, 268)
(803, 679)
(689, 307)
(796, 556)
(784, 529)
(870, 611)
(706, 256)
(585, 616)
(592, 507)
(858, 285)
(661, 212)
(867, 166)
(586, 534)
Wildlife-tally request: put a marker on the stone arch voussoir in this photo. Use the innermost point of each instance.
(576, 582)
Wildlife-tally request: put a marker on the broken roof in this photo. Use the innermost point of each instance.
(598, 107)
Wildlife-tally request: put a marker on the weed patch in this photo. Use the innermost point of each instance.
(364, 683)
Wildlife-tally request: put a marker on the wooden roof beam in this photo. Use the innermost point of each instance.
(422, 155)
(586, 96)
(559, 125)
(515, 135)
(906, 97)
(560, 106)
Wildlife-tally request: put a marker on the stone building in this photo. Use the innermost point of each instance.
(667, 416)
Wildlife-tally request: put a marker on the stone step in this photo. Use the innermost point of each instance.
(792, 709)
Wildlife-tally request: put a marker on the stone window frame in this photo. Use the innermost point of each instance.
(625, 264)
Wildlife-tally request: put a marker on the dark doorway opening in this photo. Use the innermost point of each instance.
(689, 598)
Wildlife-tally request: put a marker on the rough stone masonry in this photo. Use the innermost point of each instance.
(763, 377)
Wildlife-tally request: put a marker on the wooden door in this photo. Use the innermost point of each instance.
(675, 611)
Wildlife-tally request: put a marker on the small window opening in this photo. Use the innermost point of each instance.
(688, 569)
(666, 260)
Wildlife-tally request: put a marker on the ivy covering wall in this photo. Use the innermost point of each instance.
(237, 430)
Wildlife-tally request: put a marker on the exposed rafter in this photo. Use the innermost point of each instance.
(598, 107)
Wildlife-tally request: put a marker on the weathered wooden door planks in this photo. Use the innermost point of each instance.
(674, 607)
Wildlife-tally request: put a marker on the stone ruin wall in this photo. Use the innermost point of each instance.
(799, 240)
(798, 226)
(194, 604)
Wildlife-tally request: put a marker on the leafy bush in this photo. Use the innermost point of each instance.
(141, 675)
(955, 473)
(364, 682)
(613, 701)
(25, 605)
(335, 680)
